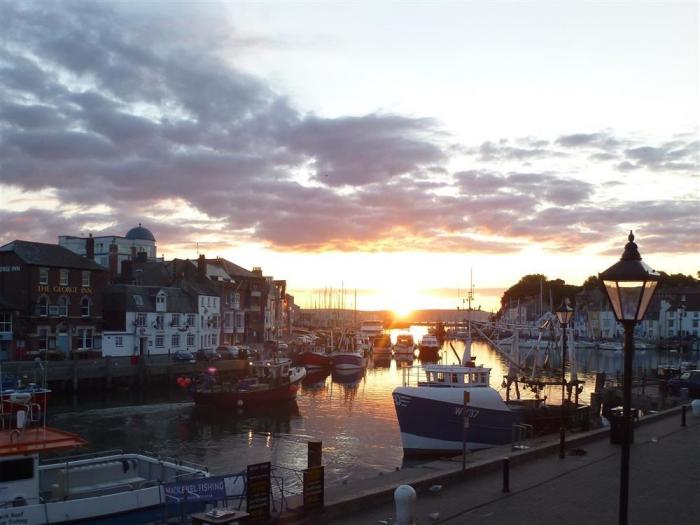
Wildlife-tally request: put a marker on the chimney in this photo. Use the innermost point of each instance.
(127, 270)
(202, 266)
(257, 270)
(90, 247)
(113, 259)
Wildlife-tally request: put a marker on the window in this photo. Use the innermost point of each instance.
(190, 339)
(695, 324)
(175, 320)
(85, 307)
(138, 300)
(140, 319)
(43, 276)
(235, 300)
(214, 337)
(160, 302)
(670, 323)
(118, 341)
(63, 279)
(16, 470)
(191, 320)
(43, 339)
(86, 278)
(84, 338)
(5, 322)
(63, 306)
(228, 320)
(214, 321)
(159, 341)
(43, 306)
(159, 322)
(175, 341)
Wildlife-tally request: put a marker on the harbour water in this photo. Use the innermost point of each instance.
(352, 415)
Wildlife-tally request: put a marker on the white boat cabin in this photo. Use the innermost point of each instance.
(456, 376)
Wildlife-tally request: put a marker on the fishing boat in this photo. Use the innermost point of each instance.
(404, 347)
(267, 381)
(429, 348)
(314, 359)
(347, 360)
(109, 487)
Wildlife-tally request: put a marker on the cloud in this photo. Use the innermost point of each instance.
(127, 113)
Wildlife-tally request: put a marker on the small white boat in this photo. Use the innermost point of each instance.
(404, 347)
(429, 348)
(132, 488)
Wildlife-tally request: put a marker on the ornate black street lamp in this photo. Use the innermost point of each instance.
(630, 285)
(564, 314)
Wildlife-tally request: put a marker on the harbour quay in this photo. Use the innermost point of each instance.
(540, 488)
(113, 372)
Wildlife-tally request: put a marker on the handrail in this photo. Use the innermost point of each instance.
(87, 455)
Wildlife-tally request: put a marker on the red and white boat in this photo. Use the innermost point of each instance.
(269, 381)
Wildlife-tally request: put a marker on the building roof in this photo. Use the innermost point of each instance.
(230, 268)
(133, 298)
(140, 233)
(42, 254)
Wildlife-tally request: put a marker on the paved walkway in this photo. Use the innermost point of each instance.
(582, 488)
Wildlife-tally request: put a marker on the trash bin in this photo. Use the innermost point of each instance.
(617, 427)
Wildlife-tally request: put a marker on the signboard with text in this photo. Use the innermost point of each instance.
(313, 488)
(258, 493)
(202, 489)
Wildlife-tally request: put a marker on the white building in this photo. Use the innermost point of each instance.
(151, 320)
(137, 240)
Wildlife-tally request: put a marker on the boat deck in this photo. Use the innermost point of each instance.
(43, 439)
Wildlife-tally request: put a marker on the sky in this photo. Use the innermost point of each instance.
(400, 149)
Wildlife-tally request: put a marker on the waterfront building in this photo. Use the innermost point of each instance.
(52, 302)
(150, 320)
(110, 250)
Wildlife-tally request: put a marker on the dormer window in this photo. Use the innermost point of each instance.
(160, 302)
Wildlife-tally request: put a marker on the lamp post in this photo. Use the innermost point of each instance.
(681, 315)
(630, 285)
(564, 314)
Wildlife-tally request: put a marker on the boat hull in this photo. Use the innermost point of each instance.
(238, 399)
(314, 360)
(430, 425)
(348, 361)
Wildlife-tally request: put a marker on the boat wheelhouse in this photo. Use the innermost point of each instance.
(371, 327)
(404, 346)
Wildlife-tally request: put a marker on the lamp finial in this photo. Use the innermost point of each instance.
(631, 252)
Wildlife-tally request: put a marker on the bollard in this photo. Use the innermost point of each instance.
(683, 409)
(405, 500)
(562, 441)
(506, 475)
(314, 454)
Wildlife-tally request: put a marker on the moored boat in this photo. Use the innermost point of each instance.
(107, 487)
(381, 347)
(429, 348)
(268, 381)
(314, 359)
(404, 347)
(347, 360)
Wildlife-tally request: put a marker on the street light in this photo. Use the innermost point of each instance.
(564, 314)
(630, 285)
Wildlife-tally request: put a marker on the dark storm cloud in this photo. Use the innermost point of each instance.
(124, 105)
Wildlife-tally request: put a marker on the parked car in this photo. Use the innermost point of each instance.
(207, 355)
(689, 380)
(182, 356)
(228, 352)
